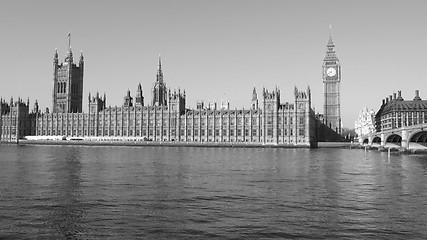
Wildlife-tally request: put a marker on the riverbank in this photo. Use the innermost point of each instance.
(394, 149)
(342, 145)
(156, 144)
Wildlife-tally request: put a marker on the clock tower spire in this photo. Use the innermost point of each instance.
(331, 87)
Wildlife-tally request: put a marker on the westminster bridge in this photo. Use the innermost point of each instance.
(408, 137)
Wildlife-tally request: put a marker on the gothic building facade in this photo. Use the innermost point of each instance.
(167, 119)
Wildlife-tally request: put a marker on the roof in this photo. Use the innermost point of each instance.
(404, 105)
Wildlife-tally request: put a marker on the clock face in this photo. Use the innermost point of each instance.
(331, 72)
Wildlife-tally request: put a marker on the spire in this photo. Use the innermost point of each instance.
(254, 94)
(81, 56)
(69, 41)
(330, 48)
(69, 56)
(159, 71)
(330, 42)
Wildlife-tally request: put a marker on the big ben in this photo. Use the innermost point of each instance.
(331, 88)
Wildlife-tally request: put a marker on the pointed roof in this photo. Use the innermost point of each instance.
(159, 71)
(330, 41)
(254, 94)
(330, 50)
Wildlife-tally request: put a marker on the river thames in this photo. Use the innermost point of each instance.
(77, 192)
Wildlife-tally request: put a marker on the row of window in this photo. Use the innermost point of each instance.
(150, 132)
(173, 122)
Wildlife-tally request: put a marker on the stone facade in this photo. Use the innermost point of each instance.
(16, 120)
(167, 119)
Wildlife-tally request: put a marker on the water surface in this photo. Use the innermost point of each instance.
(76, 192)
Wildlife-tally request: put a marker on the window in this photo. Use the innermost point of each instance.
(254, 132)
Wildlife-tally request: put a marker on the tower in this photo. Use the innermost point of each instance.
(270, 110)
(67, 96)
(254, 102)
(159, 88)
(331, 88)
(96, 104)
(177, 101)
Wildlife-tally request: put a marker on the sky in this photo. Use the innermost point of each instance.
(217, 50)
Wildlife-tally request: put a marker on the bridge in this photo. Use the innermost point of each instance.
(407, 138)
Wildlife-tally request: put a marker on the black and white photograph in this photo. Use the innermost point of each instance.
(213, 119)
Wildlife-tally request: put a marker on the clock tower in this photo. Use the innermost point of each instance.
(331, 88)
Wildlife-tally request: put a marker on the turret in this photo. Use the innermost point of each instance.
(271, 99)
(139, 98)
(128, 100)
(55, 57)
(96, 104)
(254, 102)
(36, 107)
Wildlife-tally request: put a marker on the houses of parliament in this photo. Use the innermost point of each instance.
(165, 118)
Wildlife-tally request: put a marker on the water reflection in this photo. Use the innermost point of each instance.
(67, 211)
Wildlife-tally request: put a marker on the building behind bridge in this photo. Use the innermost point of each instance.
(395, 112)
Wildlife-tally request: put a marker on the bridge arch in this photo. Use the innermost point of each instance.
(419, 137)
(365, 141)
(376, 140)
(393, 140)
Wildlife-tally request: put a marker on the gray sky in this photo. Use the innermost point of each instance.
(217, 50)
